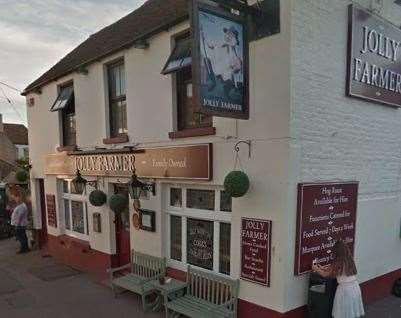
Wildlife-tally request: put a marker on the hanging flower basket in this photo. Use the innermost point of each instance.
(236, 184)
(22, 175)
(97, 198)
(118, 203)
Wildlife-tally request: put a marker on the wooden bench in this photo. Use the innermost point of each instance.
(143, 269)
(206, 295)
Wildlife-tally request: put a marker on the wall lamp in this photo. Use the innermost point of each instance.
(135, 187)
(79, 183)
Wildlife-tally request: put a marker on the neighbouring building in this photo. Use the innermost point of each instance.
(18, 135)
(321, 164)
(13, 146)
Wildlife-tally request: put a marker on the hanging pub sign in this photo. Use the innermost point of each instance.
(374, 58)
(255, 250)
(219, 61)
(326, 213)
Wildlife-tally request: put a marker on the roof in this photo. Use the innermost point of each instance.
(17, 133)
(149, 19)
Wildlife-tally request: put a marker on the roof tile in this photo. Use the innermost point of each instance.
(150, 17)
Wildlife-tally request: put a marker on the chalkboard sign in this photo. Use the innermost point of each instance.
(200, 243)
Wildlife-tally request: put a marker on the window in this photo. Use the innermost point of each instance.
(75, 211)
(199, 231)
(179, 62)
(187, 115)
(117, 99)
(65, 103)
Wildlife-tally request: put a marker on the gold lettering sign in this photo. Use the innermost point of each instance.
(186, 162)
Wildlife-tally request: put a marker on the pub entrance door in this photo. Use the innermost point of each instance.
(42, 204)
(122, 223)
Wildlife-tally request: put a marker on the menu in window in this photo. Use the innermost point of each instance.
(51, 210)
(326, 213)
(255, 250)
(200, 243)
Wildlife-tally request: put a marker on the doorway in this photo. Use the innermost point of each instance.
(42, 207)
(122, 222)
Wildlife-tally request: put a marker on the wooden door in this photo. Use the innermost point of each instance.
(42, 205)
(122, 230)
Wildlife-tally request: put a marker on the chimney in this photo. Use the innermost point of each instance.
(1, 124)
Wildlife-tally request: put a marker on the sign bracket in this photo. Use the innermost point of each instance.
(263, 18)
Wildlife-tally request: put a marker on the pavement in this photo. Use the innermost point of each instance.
(36, 286)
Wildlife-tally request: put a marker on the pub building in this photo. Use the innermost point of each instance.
(303, 97)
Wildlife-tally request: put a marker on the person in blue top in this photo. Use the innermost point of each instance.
(19, 219)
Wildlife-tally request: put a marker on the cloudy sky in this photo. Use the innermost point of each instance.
(35, 34)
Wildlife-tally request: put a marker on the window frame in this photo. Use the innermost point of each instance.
(112, 132)
(69, 196)
(66, 112)
(216, 216)
(180, 128)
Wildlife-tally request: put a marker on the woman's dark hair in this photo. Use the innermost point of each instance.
(343, 261)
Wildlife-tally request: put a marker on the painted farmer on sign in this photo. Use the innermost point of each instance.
(221, 48)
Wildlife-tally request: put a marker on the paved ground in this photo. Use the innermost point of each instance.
(33, 286)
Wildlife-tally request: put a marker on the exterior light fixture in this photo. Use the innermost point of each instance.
(135, 187)
(79, 183)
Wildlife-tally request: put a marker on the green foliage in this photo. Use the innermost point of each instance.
(118, 203)
(97, 198)
(236, 184)
(22, 175)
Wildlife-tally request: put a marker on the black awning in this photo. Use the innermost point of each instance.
(64, 98)
(180, 57)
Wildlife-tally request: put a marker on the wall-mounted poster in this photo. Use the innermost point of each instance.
(51, 210)
(219, 61)
(326, 213)
(256, 250)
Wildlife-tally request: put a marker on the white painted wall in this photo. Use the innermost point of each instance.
(337, 137)
(302, 128)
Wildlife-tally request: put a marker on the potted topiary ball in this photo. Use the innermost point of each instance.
(22, 175)
(97, 198)
(118, 203)
(236, 184)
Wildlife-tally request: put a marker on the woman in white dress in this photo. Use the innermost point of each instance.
(348, 300)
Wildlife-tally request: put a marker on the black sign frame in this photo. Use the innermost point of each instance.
(195, 7)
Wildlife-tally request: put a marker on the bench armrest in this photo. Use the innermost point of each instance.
(174, 290)
(117, 269)
(228, 303)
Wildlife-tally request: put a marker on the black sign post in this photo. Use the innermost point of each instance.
(219, 61)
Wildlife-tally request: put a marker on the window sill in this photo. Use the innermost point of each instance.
(120, 139)
(67, 148)
(193, 132)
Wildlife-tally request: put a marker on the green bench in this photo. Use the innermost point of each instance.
(206, 295)
(142, 269)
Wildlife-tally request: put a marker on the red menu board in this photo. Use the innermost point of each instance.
(51, 210)
(255, 250)
(326, 213)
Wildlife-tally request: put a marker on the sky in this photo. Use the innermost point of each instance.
(35, 34)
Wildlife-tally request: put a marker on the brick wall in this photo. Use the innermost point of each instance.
(337, 137)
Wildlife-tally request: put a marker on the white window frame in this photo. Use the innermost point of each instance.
(216, 216)
(79, 198)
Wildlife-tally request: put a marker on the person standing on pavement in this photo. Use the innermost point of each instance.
(348, 299)
(19, 219)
